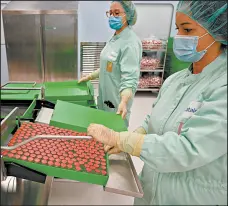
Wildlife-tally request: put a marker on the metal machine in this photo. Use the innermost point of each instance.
(41, 40)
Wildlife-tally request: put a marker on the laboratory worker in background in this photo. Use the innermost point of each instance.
(119, 62)
(183, 143)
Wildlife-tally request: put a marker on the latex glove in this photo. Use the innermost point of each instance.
(85, 79)
(92, 76)
(128, 142)
(103, 134)
(140, 130)
(122, 109)
(126, 95)
(115, 150)
(111, 150)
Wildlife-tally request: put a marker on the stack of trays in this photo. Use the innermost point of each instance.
(70, 91)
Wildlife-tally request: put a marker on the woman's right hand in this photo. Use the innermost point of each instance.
(140, 130)
(111, 150)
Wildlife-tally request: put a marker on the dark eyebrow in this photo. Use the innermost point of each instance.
(115, 10)
(185, 23)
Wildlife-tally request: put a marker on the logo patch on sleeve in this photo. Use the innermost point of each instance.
(191, 109)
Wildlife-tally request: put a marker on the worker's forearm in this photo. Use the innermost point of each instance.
(126, 95)
(95, 74)
(130, 142)
(140, 130)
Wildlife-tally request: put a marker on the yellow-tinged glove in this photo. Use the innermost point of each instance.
(126, 95)
(115, 150)
(122, 109)
(129, 142)
(111, 150)
(85, 79)
(92, 76)
(103, 134)
(140, 130)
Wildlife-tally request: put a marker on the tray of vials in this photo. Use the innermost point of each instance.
(75, 159)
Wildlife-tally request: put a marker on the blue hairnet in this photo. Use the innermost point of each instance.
(130, 11)
(211, 15)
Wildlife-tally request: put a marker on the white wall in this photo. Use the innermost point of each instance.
(153, 20)
(93, 23)
(166, 16)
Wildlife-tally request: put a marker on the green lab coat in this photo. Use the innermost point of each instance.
(119, 69)
(185, 149)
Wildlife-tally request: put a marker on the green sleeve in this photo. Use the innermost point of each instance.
(95, 74)
(202, 140)
(130, 67)
(164, 87)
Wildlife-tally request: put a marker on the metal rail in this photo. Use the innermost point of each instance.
(21, 88)
(42, 88)
(43, 137)
(8, 124)
(19, 82)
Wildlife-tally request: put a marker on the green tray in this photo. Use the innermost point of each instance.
(68, 91)
(54, 171)
(20, 94)
(76, 117)
(86, 103)
(64, 173)
(29, 112)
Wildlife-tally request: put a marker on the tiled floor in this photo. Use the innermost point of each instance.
(87, 194)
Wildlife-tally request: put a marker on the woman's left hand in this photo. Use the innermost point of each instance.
(122, 109)
(103, 134)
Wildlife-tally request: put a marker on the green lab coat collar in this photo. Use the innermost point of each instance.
(121, 34)
(208, 70)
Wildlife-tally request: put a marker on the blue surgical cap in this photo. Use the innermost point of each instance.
(211, 15)
(130, 11)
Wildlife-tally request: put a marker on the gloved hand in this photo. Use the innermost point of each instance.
(129, 142)
(103, 134)
(140, 130)
(85, 79)
(122, 109)
(116, 150)
(92, 76)
(111, 150)
(126, 95)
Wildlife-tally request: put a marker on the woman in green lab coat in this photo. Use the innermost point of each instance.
(119, 62)
(183, 143)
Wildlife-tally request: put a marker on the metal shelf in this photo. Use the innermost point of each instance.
(160, 68)
(90, 58)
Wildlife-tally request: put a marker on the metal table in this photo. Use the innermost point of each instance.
(16, 191)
